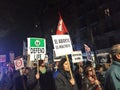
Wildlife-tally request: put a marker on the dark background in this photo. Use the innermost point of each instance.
(20, 19)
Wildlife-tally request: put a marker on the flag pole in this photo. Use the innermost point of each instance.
(93, 45)
(38, 67)
(66, 32)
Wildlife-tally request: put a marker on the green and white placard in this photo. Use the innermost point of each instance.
(36, 46)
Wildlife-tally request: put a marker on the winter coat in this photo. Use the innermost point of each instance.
(112, 77)
(86, 85)
(45, 82)
(62, 81)
(18, 81)
(32, 82)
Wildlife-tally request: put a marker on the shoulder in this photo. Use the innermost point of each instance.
(55, 74)
(59, 76)
(112, 73)
(85, 80)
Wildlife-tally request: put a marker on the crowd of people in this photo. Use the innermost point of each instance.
(61, 75)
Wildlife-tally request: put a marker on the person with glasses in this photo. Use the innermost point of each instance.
(90, 81)
(112, 76)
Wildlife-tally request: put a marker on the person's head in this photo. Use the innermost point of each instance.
(41, 63)
(100, 68)
(27, 70)
(64, 65)
(23, 70)
(115, 52)
(89, 71)
(56, 63)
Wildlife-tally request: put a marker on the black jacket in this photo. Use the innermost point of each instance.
(62, 81)
(86, 85)
(46, 81)
(32, 82)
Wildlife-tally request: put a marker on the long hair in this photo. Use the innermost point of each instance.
(62, 61)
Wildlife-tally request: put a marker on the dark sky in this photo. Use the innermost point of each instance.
(18, 20)
(16, 23)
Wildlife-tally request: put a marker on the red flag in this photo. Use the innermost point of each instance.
(61, 29)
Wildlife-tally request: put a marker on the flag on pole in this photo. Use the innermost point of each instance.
(61, 28)
(88, 52)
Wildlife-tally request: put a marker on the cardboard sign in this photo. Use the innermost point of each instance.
(62, 45)
(19, 63)
(77, 56)
(36, 46)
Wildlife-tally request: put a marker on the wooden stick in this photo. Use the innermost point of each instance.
(37, 66)
(69, 67)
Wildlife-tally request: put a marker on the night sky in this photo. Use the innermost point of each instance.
(12, 22)
(18, 19)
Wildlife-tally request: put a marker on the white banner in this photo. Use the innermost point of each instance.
(19, 63)
(77, 56)
(62, 45)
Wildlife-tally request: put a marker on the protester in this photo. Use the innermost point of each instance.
(79, 75)
(112, 77)
(18, 81)
(32, 82)
(56, 66)
(100, 73)
(1, 78)
(63, 80)
(42, 80)
(4, 84)
(24, 74)
(10, 80)
(90, 81)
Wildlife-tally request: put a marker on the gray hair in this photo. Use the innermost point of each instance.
(115, 50)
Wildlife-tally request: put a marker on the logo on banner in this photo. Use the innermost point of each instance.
(36, 46)
(18, 63)
(37, 42)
